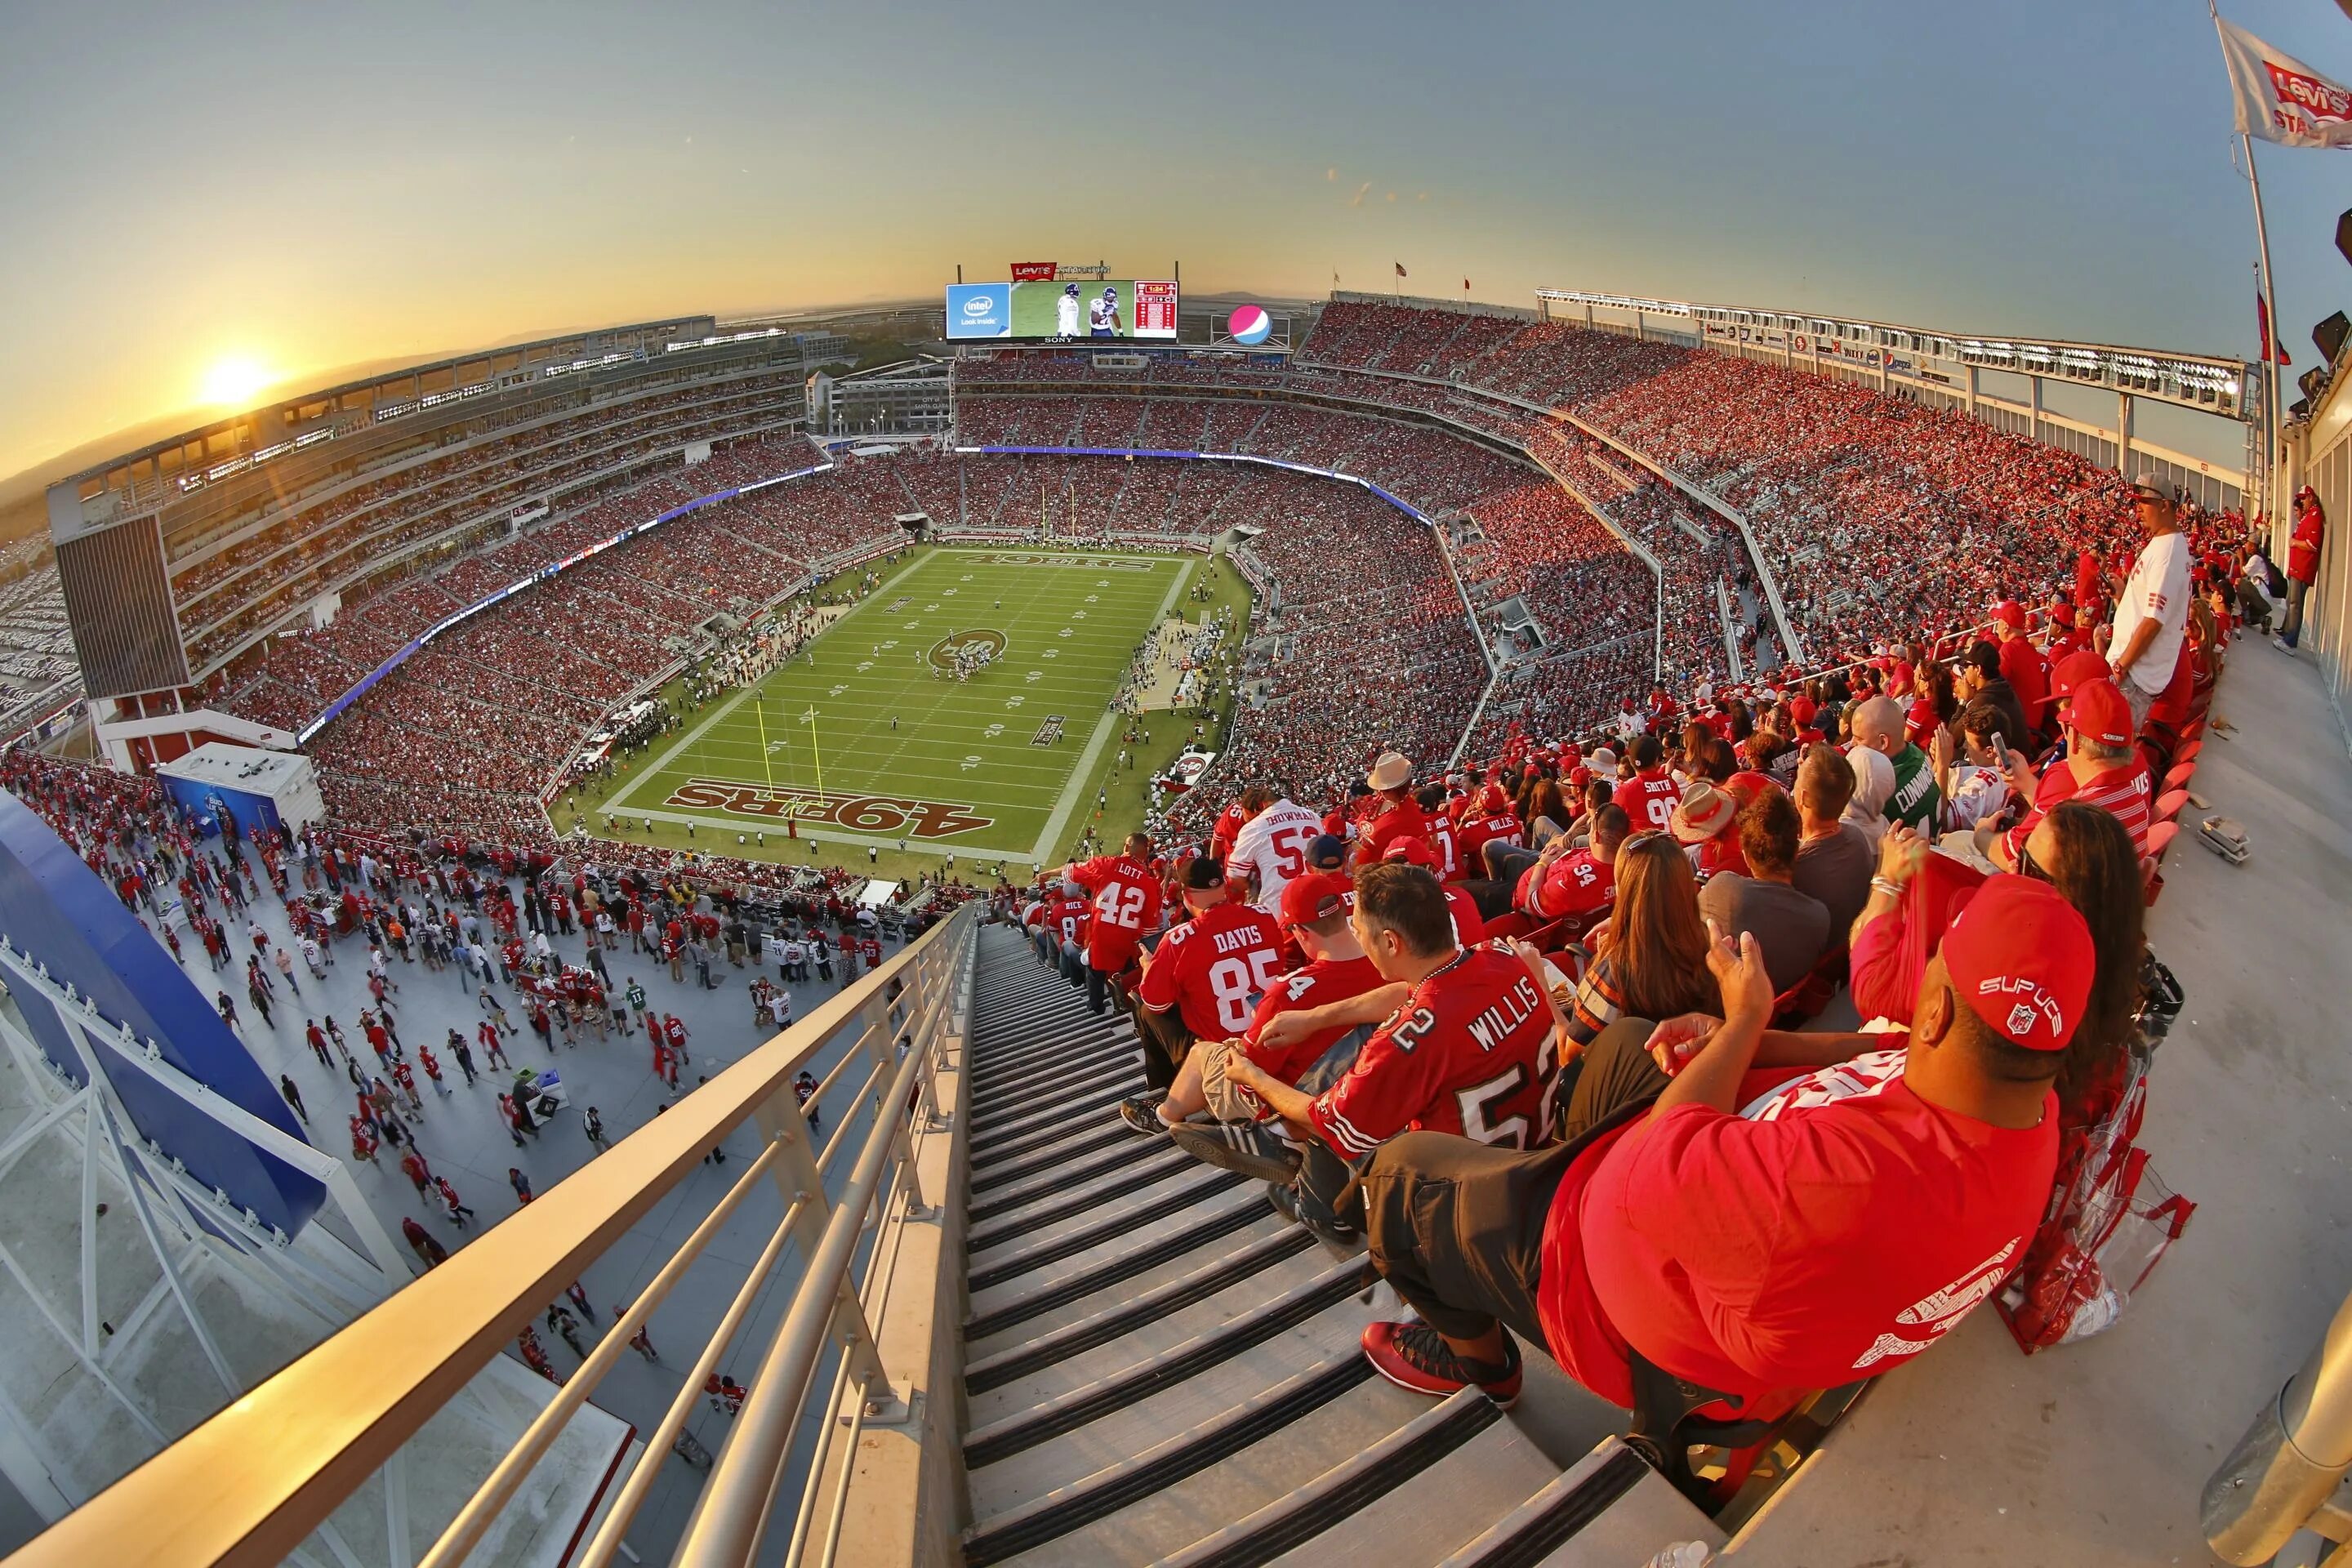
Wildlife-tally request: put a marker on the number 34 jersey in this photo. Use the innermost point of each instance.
(1470, 1053)
(1211, 968)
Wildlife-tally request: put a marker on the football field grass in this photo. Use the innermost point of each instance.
(860, 740)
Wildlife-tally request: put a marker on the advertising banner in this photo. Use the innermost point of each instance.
(980, 310)
(1033, 272)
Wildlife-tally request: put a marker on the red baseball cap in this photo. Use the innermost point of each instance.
(2021, 958)
(1316, 896)
(2076, 667)
(1801, 709)
(2099, 712)
(1413, 851)
(2008, 613)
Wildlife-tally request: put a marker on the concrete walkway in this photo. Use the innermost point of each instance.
(2094, 1454)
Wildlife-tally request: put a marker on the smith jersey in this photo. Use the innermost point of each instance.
(1272, 846)
(1648, 800)
(1211, 968)
(1470, 1053)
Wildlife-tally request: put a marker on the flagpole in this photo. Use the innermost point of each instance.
(2272, 410)
(2273, 421)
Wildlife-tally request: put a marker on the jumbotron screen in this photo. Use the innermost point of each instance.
(1064, 311)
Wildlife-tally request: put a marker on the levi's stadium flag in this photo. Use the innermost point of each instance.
(1400, 267)
(2272, 348)
(2280, 98)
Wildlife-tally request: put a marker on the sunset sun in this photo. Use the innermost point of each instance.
(234, 379)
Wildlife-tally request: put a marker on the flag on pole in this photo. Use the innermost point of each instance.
(2279, 98)
(1401, 271)
(2273, 350)
(1465, 285)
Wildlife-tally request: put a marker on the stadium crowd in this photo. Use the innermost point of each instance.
(1531, 1026)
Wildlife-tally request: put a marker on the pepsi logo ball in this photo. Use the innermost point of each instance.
(1249, 324)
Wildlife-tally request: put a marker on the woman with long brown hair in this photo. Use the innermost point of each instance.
(2086, 853)
(1649, 961)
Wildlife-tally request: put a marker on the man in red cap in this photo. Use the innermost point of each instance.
(1469, 925)
(2022, 665)
(2101, 767)
(1315, 911)
(1489, 819)
(1649, 796)
(1201, 983)
(1753, 1213)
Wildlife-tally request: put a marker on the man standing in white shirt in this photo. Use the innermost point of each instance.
(1271, 846)
(2153, 611)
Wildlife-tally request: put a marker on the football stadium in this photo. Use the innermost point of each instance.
(1066, 922)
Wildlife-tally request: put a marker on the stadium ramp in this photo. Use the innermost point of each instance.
(1159, 1367)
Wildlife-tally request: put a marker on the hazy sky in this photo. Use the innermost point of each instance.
(313, 185)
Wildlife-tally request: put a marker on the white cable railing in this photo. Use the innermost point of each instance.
(252, 1484)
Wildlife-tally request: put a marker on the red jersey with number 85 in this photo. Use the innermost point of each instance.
(1127, 905)
(1470, 1053)
(1212, 968)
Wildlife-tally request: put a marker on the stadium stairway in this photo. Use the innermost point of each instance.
(1158, 1367)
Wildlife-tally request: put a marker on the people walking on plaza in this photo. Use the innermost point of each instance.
(593, 1124)
(459, 1212)
(429, 1252)
(293, 1097)
(519, 1182)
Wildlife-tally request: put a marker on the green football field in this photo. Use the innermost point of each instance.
(987, 768)
(1035, 309)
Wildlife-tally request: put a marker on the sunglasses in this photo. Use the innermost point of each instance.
(2027, 865)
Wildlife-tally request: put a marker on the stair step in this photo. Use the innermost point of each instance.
(1122, 1072)
(1125, 1154)
(990, 1174)
(1021, 1417)
(1013, 1090)
(1610, 1510)
(1202, 1296)
(1148, 1414)
(1016, 1318)
(1193, 1483)
(1434, 1493)
(1049, 1124)
(1086, 1188)
(1081, 1234)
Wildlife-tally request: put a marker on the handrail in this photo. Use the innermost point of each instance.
(250, 1484)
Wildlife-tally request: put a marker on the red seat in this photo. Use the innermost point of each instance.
(2167, 806)
(2160, 837)
(2179, 776)
(2188, 751)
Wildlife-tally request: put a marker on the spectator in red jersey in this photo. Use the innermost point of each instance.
(1469, 1051)
(1648, 798)
(2101, 767)
(2022, 665)
(2303, 550)
(1200, 983)
(1752, 1212)
(1280, 1039)
(1487, 818)
(1469, 925)
(1396, 815)
(1126, 907)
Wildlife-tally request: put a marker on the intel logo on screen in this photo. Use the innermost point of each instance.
(980, 310)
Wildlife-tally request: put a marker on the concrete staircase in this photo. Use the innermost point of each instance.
(1159, 1368)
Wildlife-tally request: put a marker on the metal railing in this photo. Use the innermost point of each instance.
(252, 1483)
